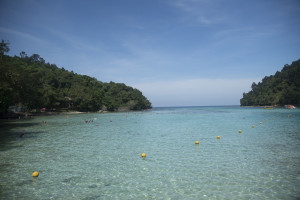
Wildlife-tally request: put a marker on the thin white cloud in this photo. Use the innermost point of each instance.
(249, 32)
(204, 20)
(73, 41)
(22, 34)
(133, 60)
(202, 12)
(195, 91)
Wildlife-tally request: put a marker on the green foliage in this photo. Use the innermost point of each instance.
(4, 47)
(33, 84)
(279, 89)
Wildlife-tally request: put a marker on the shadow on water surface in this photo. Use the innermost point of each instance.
(9, 133)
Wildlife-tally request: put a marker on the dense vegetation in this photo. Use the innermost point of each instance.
(29, 82)
(280, 89)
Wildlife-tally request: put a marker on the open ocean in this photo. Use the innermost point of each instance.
(102, 159)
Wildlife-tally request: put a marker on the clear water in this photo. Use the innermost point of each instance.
(102, 159)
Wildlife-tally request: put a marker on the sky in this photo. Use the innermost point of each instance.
(176, 52)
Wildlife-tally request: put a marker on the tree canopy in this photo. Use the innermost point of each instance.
(280, 89)
(31, 83)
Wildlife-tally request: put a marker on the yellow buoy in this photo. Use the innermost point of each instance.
(143, 155)
(253, 126)
(260, 122)
(240, 131)
(218, 137)
(197, 142)
(35, 174)
(267, 120)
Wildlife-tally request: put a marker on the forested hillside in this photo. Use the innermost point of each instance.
(33, 84)
(279, 89)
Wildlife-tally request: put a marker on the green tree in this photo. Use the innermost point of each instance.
(4, 48)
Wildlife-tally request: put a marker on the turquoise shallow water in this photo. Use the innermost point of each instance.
(102, 159)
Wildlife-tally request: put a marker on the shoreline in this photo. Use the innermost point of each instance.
(263, 106)
(29, 115)
(275, 106)
(34, 114)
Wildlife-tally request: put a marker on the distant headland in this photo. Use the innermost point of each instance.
(280, 89)
(30, 85)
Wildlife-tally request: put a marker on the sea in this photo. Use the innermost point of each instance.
(99, 156)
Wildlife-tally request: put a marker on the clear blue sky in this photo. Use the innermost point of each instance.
(177, 52)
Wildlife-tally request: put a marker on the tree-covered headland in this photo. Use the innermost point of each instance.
(276, 90)
(32, 84)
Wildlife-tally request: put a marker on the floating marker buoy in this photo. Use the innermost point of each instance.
(143, 155)
(35, 174)
(253, 126)
(240, 131)
(260, 122)
(197, 142)
(267, 120)
(218, 137)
